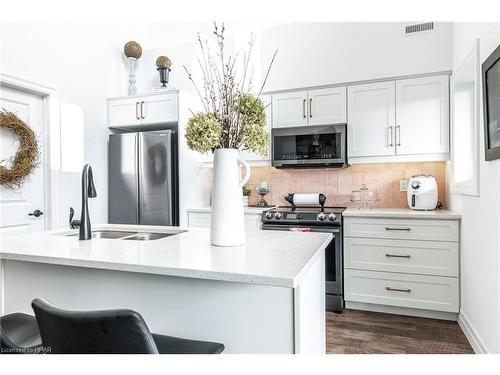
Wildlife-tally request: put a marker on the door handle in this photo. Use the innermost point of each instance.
(304, 108)
(398, 135)
(137, 111)
(310, 108)
(36, 213)
(397, 290)
(142, 110)
(390, 142)
(397, 256)
(405, 228)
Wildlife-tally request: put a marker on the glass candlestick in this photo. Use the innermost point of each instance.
(132, 88)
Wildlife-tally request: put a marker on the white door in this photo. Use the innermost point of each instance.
(422, 115)
(16, 206)
(290, 109)
(159, 109)
(124, 112)
(327, 106)
(371, 119)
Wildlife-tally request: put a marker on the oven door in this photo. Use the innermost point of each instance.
(309, 146)
(333, 256)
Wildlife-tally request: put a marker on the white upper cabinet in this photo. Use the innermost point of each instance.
(371, 119)
(159, 109)
(124, 112)
(314, 107)
(290, 109)
(143, 110)
(327, 106)
(422, 115)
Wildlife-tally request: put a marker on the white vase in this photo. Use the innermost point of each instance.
(228, 221)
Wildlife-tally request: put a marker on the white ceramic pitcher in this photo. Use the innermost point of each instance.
(228, 220)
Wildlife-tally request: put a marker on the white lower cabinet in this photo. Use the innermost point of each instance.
(202, 219)
(405, 256)
(403, 290)
(403, 263)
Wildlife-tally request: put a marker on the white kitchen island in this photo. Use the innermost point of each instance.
(265, 297)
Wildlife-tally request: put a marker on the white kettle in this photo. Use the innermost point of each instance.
(422, 193)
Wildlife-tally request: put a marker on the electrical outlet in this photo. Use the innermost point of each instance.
(403, 185)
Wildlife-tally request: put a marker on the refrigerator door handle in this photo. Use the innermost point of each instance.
(138, 176)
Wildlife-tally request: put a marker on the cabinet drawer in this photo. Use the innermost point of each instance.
(196, 219)
(437, 230)
(202, 220)
(406, 256)
(253, 221)
(396, 289)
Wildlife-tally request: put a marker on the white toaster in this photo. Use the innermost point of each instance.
(422, 193)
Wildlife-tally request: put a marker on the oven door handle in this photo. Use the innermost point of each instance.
(289, 227)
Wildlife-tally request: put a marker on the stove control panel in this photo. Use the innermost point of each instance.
(294, 217)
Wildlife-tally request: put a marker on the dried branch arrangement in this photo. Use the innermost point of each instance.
(234, 116)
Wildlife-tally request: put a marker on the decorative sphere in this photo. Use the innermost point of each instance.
(132, 49)
(163, 62)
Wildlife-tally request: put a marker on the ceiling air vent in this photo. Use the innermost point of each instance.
(419, 28)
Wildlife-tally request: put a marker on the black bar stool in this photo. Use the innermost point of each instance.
(108, 332)
(19, 334)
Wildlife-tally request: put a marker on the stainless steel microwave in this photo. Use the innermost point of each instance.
(309, 146)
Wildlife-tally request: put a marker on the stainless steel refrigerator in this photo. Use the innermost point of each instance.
(143, 178)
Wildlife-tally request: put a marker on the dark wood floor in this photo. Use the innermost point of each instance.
(362, 332)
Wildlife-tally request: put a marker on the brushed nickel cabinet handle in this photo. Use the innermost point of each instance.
(304, 108)
(405, 228)
(397, 256)
(142, 110)
(390, 142)
(310, 108)
(398, 135)
(397, 290)
(137, 111)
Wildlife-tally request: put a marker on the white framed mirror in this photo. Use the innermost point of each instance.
(465, 110)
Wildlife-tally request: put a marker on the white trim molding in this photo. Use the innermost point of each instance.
(471, 334)
(52, 144)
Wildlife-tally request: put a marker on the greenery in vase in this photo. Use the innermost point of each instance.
(246, 191)
(233, 116)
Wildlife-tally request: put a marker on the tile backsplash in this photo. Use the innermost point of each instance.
(337, 184)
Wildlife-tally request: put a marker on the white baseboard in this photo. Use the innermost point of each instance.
(401, 310)
(471, 334)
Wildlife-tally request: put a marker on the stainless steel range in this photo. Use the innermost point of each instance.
(316, 218)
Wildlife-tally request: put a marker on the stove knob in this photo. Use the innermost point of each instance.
(332, 217)
(299, 216)
(321, 216)
(277, 215)
(269, 215)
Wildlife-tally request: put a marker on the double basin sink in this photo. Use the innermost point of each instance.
(128, 235)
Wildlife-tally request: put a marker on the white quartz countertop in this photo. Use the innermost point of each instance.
(274, 258)
(402, 213)
(247, 209)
